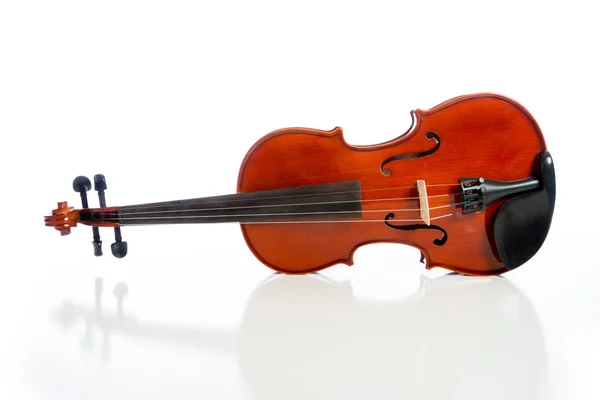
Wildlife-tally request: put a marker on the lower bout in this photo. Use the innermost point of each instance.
(311, 247)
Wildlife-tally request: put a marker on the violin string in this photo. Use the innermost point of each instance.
(203, 201)
(350, 220)
(308, 221)
(123, 212)
(126, 216)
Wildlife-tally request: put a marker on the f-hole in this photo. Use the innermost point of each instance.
(414, 227)
(411, 156)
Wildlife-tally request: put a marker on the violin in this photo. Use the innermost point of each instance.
(470, 184)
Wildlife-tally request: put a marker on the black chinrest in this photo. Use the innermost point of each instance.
(522, 223)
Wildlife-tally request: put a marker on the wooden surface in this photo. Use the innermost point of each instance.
(480, 135)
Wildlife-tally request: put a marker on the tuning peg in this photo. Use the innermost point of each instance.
(82, 185)
(97, 243)
(119, 248)
(100, 187)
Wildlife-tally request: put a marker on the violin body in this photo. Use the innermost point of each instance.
(479, 134)
(470, 184)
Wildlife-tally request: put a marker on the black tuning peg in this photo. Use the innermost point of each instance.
(119, 248)
(100, 187)
(82, 185)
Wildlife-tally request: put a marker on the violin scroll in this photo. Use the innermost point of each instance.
(63, 218)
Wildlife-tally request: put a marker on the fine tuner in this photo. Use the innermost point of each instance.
(470, 184)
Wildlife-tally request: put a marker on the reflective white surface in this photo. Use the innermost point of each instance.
(174, 329)
(294, 337)
(165, 98)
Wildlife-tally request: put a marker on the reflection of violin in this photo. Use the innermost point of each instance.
(470, 338)
(456, 337)
(470, 184)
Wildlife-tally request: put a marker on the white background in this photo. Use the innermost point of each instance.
(165, 98)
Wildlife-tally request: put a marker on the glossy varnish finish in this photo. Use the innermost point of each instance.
(480, 135)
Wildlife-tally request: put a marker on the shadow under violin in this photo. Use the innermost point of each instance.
(310, 337)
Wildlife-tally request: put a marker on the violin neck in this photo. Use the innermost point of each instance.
(304, 203)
